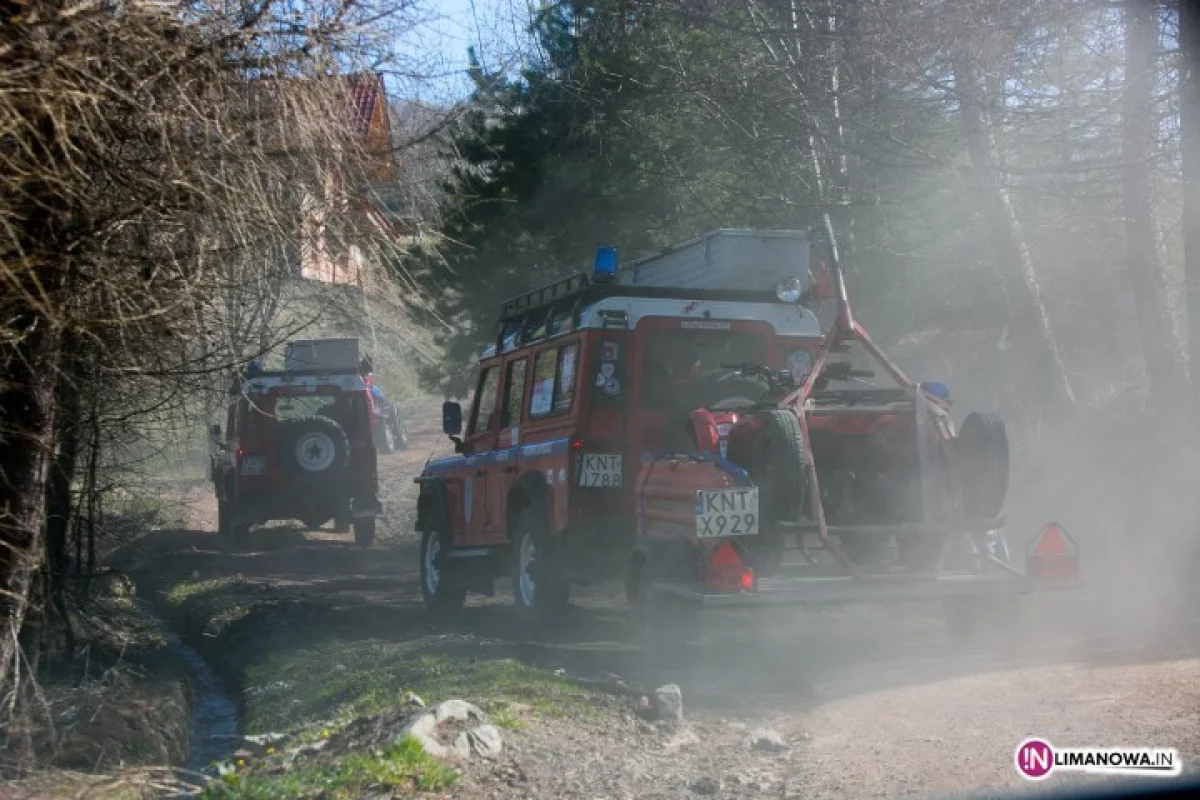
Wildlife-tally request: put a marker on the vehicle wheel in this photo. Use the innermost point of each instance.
(534, 598)
(438, 587)
(364, 531)
(778, 469)
(982, 620)
(224, 518)
(313, 448)
(228, 526)
(982, 446)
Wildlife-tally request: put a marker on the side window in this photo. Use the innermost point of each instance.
(514, 393)
(485, 402)
(541, 400)
(554, 380)
(564, 391)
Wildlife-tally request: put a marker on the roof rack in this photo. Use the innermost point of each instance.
(546, 295)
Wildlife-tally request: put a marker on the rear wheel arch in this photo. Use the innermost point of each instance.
(529, 491)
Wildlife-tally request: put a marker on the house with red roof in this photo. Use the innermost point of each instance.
(341, 259)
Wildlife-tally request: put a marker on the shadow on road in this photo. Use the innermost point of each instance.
(789, 659)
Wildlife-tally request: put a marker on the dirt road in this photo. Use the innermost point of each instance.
(867, 702)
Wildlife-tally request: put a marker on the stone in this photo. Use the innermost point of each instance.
(424, 727)
(682, 739)
(668, 703)
(765, 740)
(459, 710)
(461, 748)
(705, 786)
(485, 741)
(259, 742)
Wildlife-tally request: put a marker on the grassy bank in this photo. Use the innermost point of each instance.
(311, 656)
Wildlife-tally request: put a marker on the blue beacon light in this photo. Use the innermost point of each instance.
(605, 268)
(937, 389)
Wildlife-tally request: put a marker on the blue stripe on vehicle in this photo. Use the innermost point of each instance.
(445, 465)
(552, 447)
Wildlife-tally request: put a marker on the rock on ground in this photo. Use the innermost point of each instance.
(668, 703)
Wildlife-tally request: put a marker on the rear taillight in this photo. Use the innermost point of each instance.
(726, 572)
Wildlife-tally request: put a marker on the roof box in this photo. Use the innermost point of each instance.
(727, 258)
(321, 354)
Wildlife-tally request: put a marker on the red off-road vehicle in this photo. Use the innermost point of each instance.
(716, 447)
(297, 445)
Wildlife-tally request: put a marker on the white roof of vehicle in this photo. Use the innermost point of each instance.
(261, 384)
(785, 319)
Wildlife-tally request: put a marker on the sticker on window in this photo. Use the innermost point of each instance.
(543, 397)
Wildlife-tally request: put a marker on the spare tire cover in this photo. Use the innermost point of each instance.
(313, 446)
(982, 446)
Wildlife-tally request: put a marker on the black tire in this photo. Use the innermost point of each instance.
(229, 528)
(982, 446)
(364, 531)
(313, 448)
(224, 518)
(439, 589)
(342, 521)
(534, 600)
(778, 470)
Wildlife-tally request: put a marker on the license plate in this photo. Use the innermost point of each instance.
(253, 465)
(727, 512)
(601, 471)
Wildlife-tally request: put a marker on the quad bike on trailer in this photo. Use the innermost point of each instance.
(717, 448)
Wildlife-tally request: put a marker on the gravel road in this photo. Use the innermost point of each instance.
(861, 702)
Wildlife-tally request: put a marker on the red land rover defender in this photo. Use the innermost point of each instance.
(652, 425)
(297, 445)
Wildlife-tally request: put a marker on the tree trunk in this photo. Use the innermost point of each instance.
(62, 472)
(1030, 319)
(1189, 102)
(1164, 364)
(26, 424)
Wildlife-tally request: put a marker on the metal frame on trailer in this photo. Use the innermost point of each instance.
(855, 585)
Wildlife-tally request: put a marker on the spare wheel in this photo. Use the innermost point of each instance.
(982, 446)
(779, 472)
(313, 446)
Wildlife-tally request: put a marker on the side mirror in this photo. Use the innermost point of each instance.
(451, 418)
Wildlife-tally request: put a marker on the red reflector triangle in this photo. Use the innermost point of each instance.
(1051, 541)
(725, 556)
